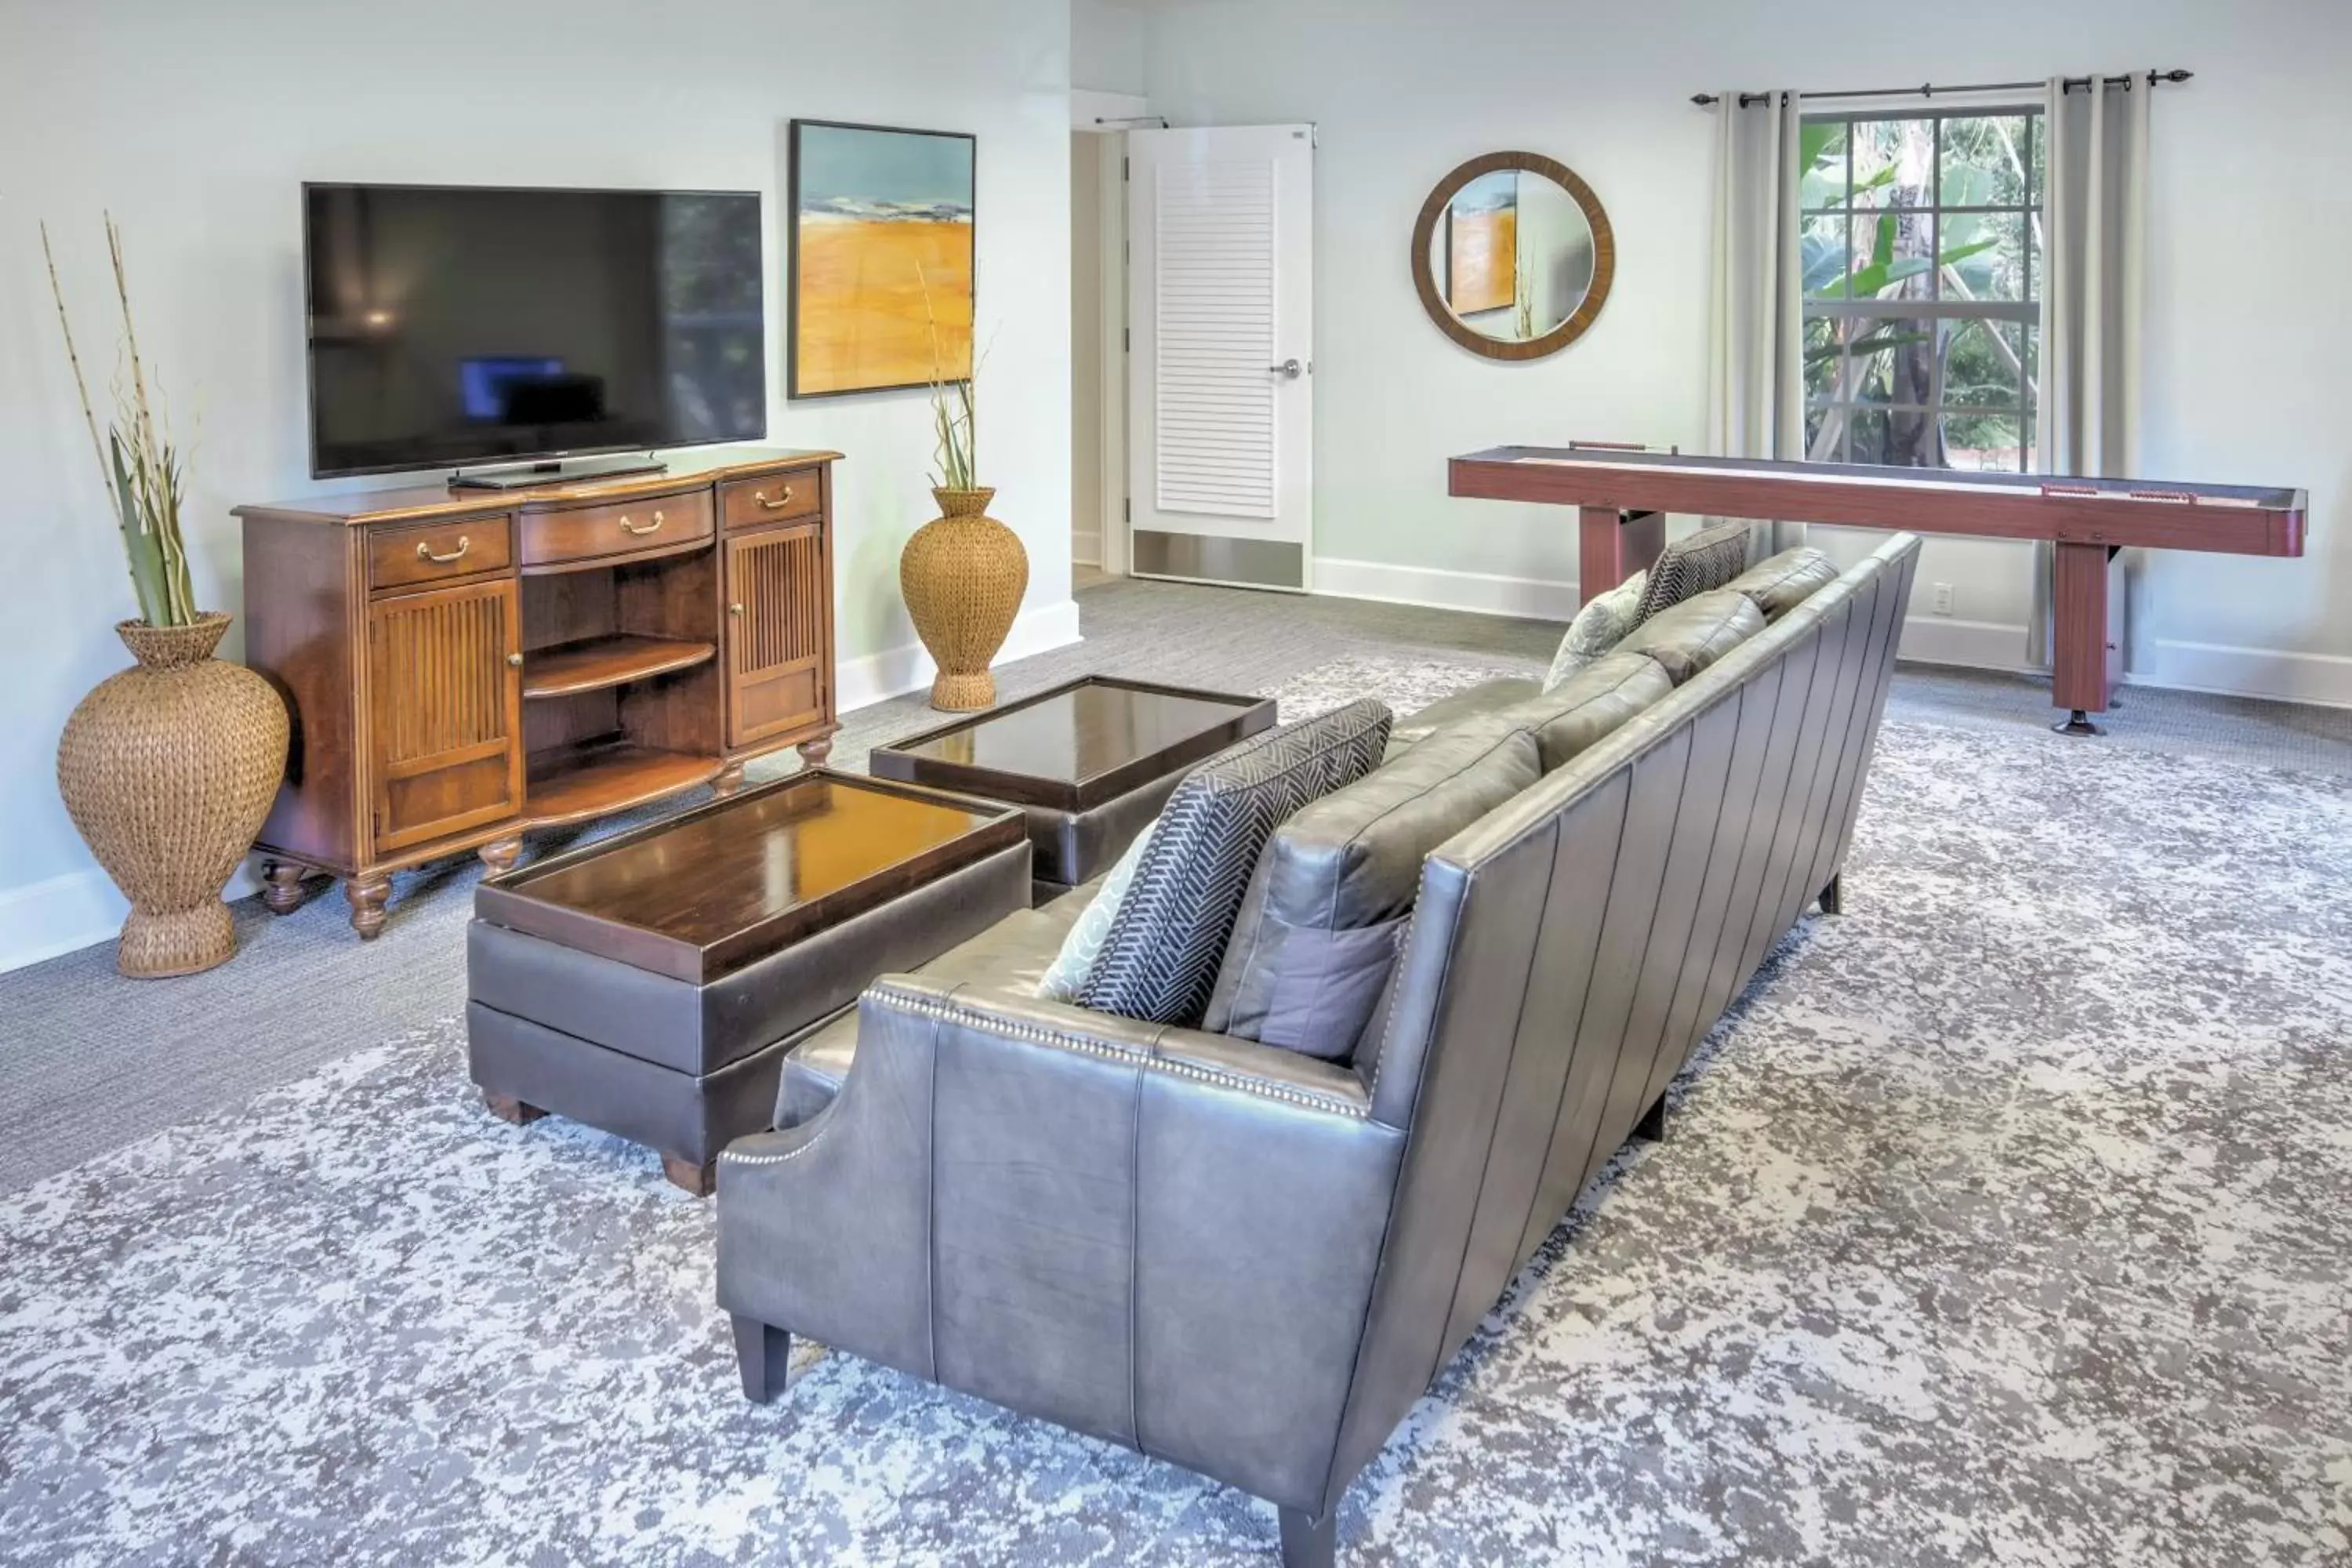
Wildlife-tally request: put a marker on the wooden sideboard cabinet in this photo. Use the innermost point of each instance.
(465, 664)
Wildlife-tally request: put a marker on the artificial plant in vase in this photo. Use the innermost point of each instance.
(167, 768)
(963, 573)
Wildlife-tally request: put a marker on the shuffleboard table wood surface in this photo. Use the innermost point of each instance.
(1623, 493)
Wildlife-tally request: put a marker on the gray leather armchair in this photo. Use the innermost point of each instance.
(1250, 1262)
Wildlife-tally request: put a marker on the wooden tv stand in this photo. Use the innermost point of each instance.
(463, 666)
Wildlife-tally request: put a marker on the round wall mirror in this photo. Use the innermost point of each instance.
(1513, 256)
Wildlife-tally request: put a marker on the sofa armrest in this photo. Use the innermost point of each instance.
(1164, 1237)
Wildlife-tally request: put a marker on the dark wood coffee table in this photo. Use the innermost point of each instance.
(651, 984)
(1090, 763)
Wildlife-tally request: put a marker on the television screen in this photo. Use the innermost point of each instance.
(454, 325)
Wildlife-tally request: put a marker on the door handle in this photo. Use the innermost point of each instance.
(1289, 370)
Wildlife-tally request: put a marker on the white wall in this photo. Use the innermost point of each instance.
(2249, 319)
(197, 123)
(1107, 44)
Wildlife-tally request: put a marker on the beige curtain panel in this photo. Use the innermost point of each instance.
(2094, 248)
(1756, 329)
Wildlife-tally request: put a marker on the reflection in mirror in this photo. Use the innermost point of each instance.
(1513, 254)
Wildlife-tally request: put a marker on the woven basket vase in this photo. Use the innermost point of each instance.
(963, 574)
(168, 768)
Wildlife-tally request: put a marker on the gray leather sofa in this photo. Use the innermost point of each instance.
(1250, 1261)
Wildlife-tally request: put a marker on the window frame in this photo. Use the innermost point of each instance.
(1946, 316)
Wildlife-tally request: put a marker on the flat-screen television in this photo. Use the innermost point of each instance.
(451, 325)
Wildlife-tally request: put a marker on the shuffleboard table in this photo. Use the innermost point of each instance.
(1624, 493)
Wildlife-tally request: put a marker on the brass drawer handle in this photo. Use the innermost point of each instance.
(783, 498)
(734, 609)
(425, 552)
(515, 660)
(628, 527)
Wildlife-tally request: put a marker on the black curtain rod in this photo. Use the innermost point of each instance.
(1929, 90)
(1147, 120)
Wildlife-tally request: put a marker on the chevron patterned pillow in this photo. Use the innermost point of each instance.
(1706, 560)
(1160, 961)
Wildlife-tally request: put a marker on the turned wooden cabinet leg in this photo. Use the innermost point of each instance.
(1309, 1544)
(367, 896)
(700, 1180)
(506, 1108)
(730, 779)
(813, 753)
(761, 1353)
(500, 854)
(283, 895)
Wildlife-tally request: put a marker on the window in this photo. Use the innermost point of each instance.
(1922, 250)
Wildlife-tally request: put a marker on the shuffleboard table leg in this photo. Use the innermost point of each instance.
(2087, 652)
(1611, 545)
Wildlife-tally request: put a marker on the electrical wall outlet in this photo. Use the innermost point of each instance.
(1943, 598)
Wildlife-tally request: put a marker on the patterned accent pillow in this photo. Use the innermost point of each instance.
(1597, 627)
(1067, 972)
(1707, 559)
(1160, 962)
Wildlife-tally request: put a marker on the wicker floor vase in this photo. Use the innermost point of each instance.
(963, 574)
(168, 770)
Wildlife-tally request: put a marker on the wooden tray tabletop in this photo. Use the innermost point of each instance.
(1076, 746)
(700, 895)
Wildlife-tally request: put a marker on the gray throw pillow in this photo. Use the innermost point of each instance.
(1692, 565)
(1601, 625)
(1317, 934)
(1160, 961)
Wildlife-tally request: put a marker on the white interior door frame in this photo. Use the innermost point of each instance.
(1107, 115)
(1222, 354)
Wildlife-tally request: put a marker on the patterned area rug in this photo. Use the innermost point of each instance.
(2008, 1217)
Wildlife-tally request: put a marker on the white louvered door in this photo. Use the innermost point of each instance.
(1220, 384)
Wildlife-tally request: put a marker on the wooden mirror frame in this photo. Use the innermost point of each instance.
(1604, 257)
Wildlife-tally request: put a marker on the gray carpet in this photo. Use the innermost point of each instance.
(90, 1061)
(2007, 1219)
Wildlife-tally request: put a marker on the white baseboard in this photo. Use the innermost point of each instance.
(1532, 598)
(77, 909)
(893, 672)
(2228, 671)
(1980, 645)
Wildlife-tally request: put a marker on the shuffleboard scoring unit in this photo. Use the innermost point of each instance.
(1623, 494)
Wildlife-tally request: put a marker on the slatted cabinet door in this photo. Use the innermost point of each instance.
(780, 610)
(444, 695)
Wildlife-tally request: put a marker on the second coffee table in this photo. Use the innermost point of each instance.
(1089, 763)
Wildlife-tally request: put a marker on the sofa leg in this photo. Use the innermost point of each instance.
(1308, 1543)
(762, 1354)
(1651, 1128)
(1831, 902)
(699, 1178)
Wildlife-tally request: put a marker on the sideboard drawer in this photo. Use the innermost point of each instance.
(773, 498)
(437, 552)
(622, 528)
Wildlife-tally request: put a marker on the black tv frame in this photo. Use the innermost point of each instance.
(509, 459)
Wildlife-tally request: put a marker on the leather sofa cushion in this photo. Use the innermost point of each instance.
(1782, 583)
(1590, 704)
(1487, 697)
(1160, 962)
(1012, 953)
(1315, 940)
(1693, 635)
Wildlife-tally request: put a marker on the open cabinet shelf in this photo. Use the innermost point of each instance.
(595, 662)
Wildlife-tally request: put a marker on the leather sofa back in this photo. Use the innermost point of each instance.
(1568, 952)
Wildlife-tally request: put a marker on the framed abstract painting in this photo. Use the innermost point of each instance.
(881, 258)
